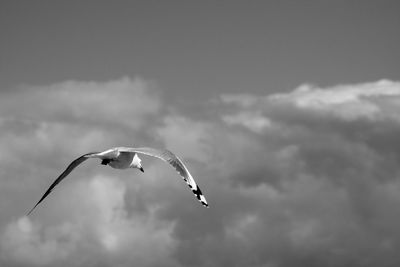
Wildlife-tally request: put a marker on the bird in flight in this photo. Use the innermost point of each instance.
(127, 157)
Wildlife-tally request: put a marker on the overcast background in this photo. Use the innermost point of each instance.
(286, 113)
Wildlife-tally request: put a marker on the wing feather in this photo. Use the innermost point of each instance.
(175, 162)
(67, 171)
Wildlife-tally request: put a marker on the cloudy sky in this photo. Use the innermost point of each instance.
(286, 113)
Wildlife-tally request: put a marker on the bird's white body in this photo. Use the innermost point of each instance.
(127, 157)
(122, 161)
(118, 159)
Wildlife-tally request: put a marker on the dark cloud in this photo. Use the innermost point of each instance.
(306, 178)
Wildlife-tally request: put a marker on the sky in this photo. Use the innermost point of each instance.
(285, 112)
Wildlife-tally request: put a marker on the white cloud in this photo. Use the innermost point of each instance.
(242, 100)
(97, 221)
(368, 100)
(308, 95)
(43, 129)
(303, 178)
(185, 137)
(71, 101)
(26, 243)
(73, 114)
(346, 101)
(251, 120)
(118, 233)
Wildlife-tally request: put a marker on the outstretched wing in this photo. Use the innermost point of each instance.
(175, 162)
(67, 171)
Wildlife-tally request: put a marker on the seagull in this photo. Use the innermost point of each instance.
(127, 157)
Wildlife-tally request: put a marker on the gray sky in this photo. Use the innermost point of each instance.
(197, 48)
(286, 113)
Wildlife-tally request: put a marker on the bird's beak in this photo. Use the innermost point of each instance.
(141, 169)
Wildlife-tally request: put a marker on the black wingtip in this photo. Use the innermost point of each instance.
(40, 201)
(29, 213)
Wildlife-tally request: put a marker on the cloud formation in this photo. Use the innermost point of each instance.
(304, 178)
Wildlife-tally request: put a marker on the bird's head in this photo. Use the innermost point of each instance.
(136, 163)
